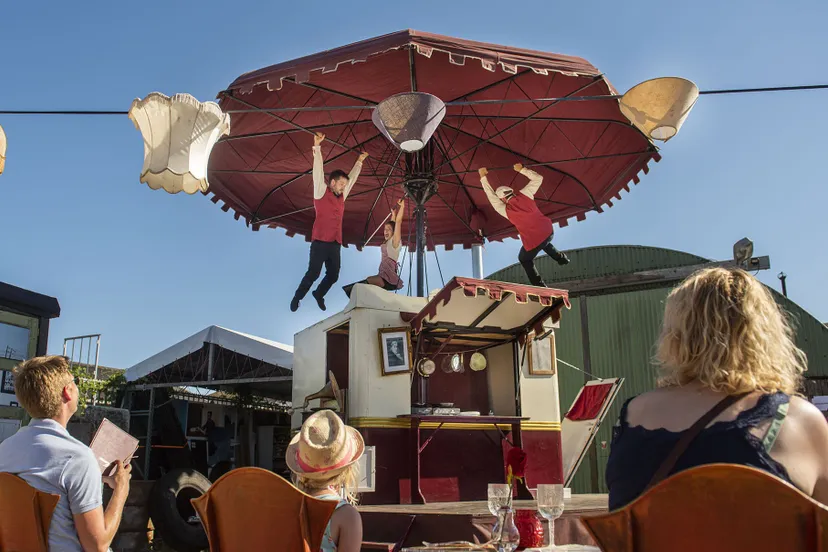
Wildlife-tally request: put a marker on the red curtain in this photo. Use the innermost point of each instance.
(589, 403)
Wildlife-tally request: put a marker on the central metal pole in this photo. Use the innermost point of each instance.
(477, 261)
(419, 217)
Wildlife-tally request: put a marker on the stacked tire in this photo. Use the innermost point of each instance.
(173, 516)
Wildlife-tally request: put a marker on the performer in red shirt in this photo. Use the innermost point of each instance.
(326, 238)
(534, 228)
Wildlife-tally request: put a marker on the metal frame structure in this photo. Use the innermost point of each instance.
(74, 361)
(212, 367)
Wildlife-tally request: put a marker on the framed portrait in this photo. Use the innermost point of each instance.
(542, 358)
(395, 350)
(7, 385)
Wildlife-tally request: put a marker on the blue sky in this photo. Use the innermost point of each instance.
(147, 269)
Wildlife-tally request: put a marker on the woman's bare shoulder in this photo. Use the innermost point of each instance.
(346, 514)
(808, 415)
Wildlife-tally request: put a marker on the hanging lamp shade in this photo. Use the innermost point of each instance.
(477, 362)
(658, 107)
(409, 119)
(2, 150)
(179, 134)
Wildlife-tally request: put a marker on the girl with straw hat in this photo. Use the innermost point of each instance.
(323, 457)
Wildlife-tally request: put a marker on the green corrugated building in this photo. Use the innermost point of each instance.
(618, 295)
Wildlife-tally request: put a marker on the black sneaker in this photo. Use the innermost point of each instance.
(562, 259)
(294, 304)
(320, 300)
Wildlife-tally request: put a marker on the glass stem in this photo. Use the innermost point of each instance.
(551, 524)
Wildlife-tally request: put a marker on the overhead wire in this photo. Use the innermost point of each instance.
(714, 92)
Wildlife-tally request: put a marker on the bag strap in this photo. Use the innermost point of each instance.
(688, 435)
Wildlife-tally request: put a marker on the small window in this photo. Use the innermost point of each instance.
(14, 342)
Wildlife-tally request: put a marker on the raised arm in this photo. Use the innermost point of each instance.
(535, 181)
(319, 185)
(354, 174)
(496, 202)
(398, 223)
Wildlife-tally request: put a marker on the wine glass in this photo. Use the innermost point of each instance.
(498, 496)
(551, 507)
(505, 533)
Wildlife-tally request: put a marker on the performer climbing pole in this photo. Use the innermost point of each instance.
(534, 228)
(326, 237)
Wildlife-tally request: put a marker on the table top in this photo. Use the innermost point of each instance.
(465, 419)
(576, 505)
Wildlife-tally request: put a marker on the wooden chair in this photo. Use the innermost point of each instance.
(255, 509)
(715, 508)
(25, 515)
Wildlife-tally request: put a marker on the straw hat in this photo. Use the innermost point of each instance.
(504, 191)
(324, 447)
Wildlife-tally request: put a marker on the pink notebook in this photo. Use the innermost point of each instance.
(112, 444)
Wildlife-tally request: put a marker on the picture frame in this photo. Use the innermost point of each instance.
(7, 384)
(542, 356)
(395, 350)
(367, 471)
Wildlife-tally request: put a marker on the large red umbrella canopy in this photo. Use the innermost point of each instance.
(586, 150)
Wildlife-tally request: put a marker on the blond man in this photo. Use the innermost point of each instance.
(50, 460)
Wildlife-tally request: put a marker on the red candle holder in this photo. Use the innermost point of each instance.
(530, 528)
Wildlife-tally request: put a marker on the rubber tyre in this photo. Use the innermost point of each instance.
(168, 498)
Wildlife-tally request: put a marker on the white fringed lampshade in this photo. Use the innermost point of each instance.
(409, 119)
(2, 150)
(179, 134)
(658, 107)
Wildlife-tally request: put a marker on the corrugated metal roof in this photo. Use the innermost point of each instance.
(623, 329)
(594, 262)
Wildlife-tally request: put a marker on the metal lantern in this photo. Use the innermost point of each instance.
(409, 119)
(179, 134)
(426, 367)
(658, 107)
(2, 150)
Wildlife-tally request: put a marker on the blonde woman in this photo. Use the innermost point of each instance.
(731, 368)
(323, 457)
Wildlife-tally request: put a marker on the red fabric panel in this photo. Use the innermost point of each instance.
(589, 403)
(425, 43)
(494, 290)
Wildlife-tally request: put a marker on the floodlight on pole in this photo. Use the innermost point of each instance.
(742, 251)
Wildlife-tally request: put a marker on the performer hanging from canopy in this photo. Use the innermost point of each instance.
(388, 275)
(329, 204)
(534, 228)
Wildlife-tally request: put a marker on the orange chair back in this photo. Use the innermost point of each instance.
(255, 509)
(715, 508)
(25, 515)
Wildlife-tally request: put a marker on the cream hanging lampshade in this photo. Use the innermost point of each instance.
(2, 150)
(179, 134)
(658, 107)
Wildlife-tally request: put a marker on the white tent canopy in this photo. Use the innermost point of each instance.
(265, 350)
